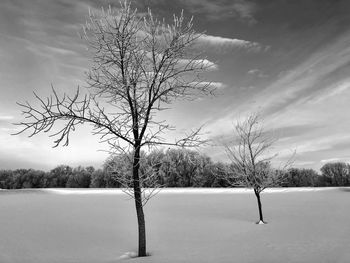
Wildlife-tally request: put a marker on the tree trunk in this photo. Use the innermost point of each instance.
(138, 204)
(261, 218)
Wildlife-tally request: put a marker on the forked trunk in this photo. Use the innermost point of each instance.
(138, 204)
(261, 218)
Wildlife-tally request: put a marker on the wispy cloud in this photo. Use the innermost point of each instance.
(215, 85)
(307, 78)
(332, 160)
(218, 85)
(205, 63)
(257, 73)
(303, 163)
(224, 45)
(333, 90)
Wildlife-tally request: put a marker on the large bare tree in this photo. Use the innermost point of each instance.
(140, 65)
(251, 158)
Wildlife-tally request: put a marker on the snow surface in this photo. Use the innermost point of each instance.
(43, 226)
(89, 191)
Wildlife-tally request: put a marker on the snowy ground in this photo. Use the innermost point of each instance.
(183, 225)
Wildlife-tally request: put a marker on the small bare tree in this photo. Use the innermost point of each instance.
(140, 64)
(251, 160)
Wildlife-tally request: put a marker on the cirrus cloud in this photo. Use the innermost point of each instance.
(224, 45)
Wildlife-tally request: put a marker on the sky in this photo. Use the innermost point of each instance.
(289, 60)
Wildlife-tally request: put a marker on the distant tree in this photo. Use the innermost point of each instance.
(101, 179)
(168, 169)
(250, 157)
(188, 168)
(98, 179)
(79, 178)
(172, 168)
(33, 179)
(22, 178)
(150, 167)
(204, 176)
(58, 176)
(119, 168)
(336, 174)
(19, 176)
(90, 169)
(296, 177)
(6, 179)
(181, 166)
(221, 172)
(140, 65)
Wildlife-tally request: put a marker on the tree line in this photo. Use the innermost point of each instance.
(171, 168)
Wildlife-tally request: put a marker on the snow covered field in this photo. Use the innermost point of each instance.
(183, 225)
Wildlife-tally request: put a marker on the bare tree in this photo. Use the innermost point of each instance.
(251, 160)
(140, 64)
